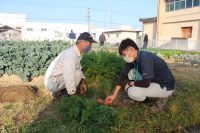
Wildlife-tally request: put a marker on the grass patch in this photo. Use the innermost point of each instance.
(84, 116)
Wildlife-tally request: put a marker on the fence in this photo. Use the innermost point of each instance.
(185, 45)
(177, 44)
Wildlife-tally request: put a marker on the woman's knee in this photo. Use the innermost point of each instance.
(135, 95)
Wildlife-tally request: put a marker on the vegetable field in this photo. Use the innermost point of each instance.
(28, 59)
(101, 69)
(31, 59)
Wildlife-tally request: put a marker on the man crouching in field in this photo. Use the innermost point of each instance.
(64, 74)
(148, 74)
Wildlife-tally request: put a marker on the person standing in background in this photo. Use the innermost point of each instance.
(72, 37)
(102, 39)
(145, 41)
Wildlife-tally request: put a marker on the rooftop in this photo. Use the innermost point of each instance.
(147, 20)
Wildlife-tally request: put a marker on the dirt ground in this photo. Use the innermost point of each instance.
(18, 93)
(14, 80)
(12, 89)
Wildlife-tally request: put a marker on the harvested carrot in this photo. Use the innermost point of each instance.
(100, 101)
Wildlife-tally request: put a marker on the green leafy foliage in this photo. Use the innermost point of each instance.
(101, 70)
(88, 112)
(177, 55)
(28, 59)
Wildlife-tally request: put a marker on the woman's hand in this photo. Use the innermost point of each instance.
(128, 85)
(110, 99)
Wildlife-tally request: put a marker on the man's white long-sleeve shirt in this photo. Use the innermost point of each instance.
(66, 64)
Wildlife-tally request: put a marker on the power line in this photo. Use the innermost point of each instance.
(88, 20)
(109, 17)
(88, 16)
(42, 4)
(57, 19)
(61, 19)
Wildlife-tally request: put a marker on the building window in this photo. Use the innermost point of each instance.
(187, 32)
(43, 29)
(108, 35)
(58, 34)
(177, 5)
(188, 3)
(172, 5)
(182, 4)
(196, 3)
(29, 29)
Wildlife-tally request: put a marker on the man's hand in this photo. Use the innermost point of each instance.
(110, 99)
(83, 87)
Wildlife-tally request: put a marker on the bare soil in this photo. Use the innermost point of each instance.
(12, 89)
(18, 93)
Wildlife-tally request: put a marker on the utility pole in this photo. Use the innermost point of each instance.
(88, 17)
(109, 16)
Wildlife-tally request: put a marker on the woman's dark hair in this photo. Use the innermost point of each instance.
(126, 43)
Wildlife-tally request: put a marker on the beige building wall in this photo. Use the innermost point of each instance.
(117, 37)
(174, 30)
(150, 28)
(198, 34)
(132, 35)
(170, 23)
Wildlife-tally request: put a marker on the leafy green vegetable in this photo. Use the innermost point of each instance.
(88, 112)
(101, 70)
(28, 59)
